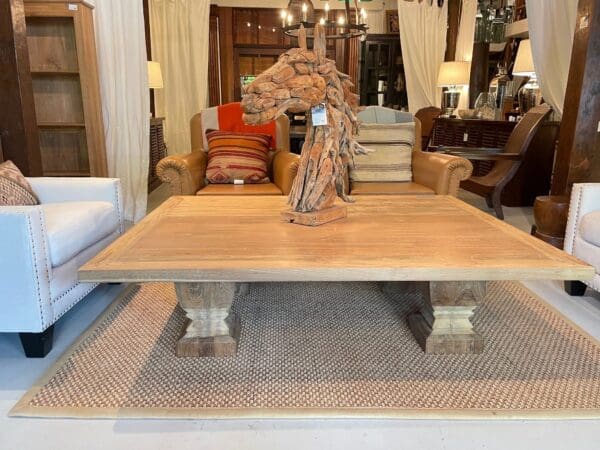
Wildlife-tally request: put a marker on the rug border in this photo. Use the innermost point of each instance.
(22, 410)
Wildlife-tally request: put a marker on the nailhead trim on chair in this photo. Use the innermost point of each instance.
(74, 301)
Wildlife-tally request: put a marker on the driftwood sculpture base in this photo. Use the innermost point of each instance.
(315, 218)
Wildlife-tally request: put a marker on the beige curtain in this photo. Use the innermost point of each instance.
(464, 42)
(179, 30)
(121, 46)
(551, 31)
(423, 39)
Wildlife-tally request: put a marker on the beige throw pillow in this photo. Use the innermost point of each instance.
(392, 159)
(14, 188)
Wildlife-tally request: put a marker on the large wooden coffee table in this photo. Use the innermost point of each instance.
(211, 247)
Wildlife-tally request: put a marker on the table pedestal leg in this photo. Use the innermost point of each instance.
(211, 329)
(443, 326)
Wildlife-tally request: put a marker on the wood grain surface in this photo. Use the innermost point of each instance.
(384, 238)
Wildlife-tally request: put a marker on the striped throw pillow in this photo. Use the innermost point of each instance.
(237, 156)
(391, 160)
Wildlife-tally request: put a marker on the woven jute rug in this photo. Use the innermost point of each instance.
(323, 350)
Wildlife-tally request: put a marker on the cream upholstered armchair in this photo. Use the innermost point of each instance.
(582, 238)
(186, 174)
(43, 246)
(419, 173)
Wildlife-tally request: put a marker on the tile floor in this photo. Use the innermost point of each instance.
(17, 374)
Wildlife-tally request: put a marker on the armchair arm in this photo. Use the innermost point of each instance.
(25, 270)
(184, 173)
(285, 168)
(481, 153)
(78, 189)
(585, 198)
(442, 173)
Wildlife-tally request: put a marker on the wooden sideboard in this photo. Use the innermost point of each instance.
(534, 175)
(158, 150)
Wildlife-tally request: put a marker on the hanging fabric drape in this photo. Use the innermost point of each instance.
(464, 42)
(423, 39)
(121, 46)
(551, 31)
(179, 30)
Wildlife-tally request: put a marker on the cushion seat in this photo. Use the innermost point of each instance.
(406, 188)
(590, 228)
(72, 227)
(240, 189)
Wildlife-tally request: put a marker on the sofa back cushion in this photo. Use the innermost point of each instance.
(14, 187)
(237, 156)
(392, 156)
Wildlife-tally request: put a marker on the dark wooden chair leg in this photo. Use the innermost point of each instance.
(497, 203)
(575, 288)
(488, 201)
(37, 345)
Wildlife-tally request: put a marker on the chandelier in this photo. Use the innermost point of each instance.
(301, 13)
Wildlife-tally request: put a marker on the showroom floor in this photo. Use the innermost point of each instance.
(17, 374)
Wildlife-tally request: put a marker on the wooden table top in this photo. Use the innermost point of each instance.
(384, 238)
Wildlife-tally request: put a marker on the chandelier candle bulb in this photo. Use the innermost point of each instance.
(322, 20)
(283, 16)
(304, 11)
(290, 18)
(326, 7)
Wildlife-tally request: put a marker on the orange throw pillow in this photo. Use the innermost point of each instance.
(237, 156)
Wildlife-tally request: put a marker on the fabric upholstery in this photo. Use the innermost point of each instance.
(240, 189)
(380, 114)
(35, 292)
(237, 156)
(14, 188)
(390, 160)
(406, 188)
(582, 238)
(590, 228)
(71, 227)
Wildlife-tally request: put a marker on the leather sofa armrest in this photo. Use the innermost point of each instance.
(184, 173)
(442, 173)
(285, 168)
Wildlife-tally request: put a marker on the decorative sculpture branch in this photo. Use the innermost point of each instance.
(301, 80)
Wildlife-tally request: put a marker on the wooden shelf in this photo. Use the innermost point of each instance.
(61, 125)
(518, 29)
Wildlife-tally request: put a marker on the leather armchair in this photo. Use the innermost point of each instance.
(43, 246)
(186, 174)
(432, 173)
(582, 237)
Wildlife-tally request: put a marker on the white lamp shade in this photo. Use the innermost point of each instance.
(524, 63)
(454, 73)
(155, 80)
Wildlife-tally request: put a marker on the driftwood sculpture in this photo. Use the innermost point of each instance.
(301, 80)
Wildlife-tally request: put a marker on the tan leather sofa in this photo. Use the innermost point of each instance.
(432, 174)
(186, 174)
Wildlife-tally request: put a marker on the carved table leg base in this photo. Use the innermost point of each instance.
(456, 336)
(443, 325)
(223, 345)
(211, 328)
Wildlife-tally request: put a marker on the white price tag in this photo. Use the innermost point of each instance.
(73, 7)
(238, 181)
(465, 137)
(319, 115)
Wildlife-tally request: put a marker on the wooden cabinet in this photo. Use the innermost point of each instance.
(66, 93)
(382, 73)
(533, 177)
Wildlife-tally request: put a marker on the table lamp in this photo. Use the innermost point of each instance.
(453, 75)
(155, 79)
(530, 94)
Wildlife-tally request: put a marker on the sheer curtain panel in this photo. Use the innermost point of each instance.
(121, 46)
(179, 30)
(551, 31)
(423, 39)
